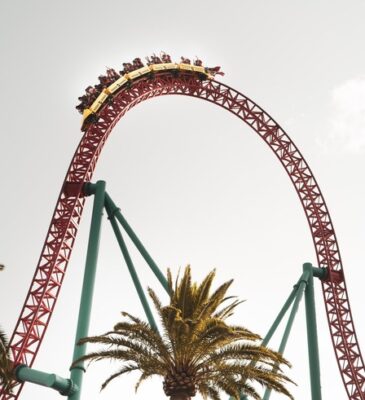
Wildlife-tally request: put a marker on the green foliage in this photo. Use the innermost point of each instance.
(198, 350)
(6, 374)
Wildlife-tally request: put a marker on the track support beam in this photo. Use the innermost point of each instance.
(304, 285)
(312, 337)
(78, 370)
(300, 288)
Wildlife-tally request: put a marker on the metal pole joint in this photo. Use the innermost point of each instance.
(65, 387)
(89, 188)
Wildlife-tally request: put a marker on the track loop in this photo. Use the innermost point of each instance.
(49, 274)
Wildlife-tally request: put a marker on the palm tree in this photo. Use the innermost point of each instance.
(6, 375)
(198, 351)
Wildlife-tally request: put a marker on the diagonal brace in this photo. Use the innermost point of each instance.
(131, 267)
(118, 215)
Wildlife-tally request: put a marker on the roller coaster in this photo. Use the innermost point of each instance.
(102, 107)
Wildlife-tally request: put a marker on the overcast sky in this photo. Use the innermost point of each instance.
(197, 185)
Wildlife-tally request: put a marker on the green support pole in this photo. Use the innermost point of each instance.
(131, 269)
(305, 284)
(302, 285)
(64, 386)
(77, 372)
(313, 352)
(116, 212)
(276, 323)
(281, 314)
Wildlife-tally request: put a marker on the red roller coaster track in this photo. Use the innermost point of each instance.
(41, 298)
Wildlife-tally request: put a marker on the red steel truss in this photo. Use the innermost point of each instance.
(41, 298)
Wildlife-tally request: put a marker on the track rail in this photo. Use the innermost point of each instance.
(42, 295)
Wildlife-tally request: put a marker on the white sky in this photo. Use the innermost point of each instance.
(195, 183)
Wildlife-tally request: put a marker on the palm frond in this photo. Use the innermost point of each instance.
(124, 370)
(198, 351)
(4, 345)
(169, 282)
(136, 320)
(142, 378)
(213, 393)
(227, 311)
(203, 289)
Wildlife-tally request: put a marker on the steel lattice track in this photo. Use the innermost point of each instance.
(41, 298)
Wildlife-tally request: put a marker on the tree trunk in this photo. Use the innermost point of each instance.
(180, 396)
